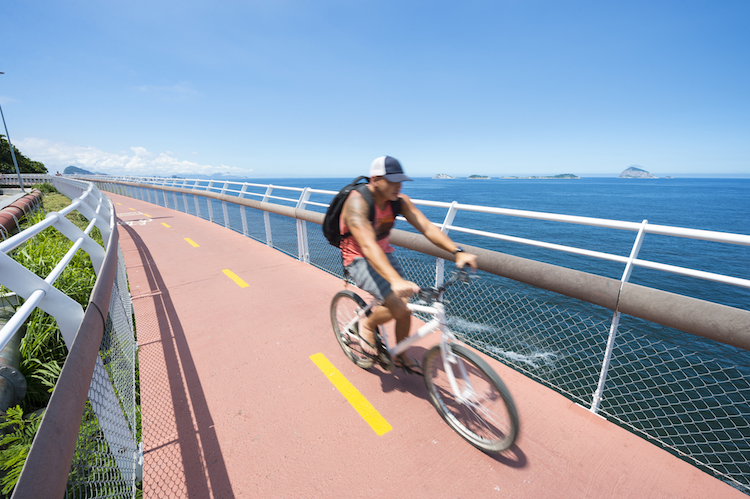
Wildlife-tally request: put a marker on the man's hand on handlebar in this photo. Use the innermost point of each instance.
(463, 259)
(404, 288)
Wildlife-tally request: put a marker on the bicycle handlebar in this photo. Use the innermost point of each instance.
(430, 294)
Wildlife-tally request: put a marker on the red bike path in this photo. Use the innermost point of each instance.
(234, 406)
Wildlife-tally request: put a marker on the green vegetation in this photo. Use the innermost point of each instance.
(43, 350)
(18, 433)
(25, 165)
(45, 188)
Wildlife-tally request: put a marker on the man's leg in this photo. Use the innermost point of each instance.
(395, 308)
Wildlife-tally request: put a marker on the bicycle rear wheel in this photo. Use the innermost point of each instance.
(483, 412)
(344, 307)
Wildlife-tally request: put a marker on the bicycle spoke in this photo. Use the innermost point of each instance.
(345, 308)
(480, 410)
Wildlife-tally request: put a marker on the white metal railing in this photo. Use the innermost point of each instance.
(299, 197)
(11, 180)
(117, 429)
(559, 342)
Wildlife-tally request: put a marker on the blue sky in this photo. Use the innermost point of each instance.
(320, 88)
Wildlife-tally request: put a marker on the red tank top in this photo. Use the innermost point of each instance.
(382, 225)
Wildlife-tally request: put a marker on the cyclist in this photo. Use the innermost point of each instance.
(368, 255)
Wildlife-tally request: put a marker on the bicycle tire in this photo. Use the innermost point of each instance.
(490, 421)
(344, 306)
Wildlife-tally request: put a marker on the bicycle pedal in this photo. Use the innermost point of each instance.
(385, 363)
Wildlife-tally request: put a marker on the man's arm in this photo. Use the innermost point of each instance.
(356, 216)
(420, 222)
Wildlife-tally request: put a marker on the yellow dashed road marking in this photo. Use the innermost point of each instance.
(352, 395)
(235, 278)
(165, 225)
(147, 215)
(192, 243)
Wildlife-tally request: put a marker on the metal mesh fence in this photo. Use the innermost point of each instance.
(106, 462)
(688, 394)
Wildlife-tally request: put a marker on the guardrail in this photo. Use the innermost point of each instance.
(631, 353)
(11, 180)
(85, 443)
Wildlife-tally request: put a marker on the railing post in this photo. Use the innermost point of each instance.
(242, 212)
(208, 201)
(184, 196)
(224, 206)
(303, 248)
(597, 398)
(267, 217)
(440, 263)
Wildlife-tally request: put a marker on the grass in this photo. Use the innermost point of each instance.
(43, 350)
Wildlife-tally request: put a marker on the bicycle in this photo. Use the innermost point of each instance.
(467, 393)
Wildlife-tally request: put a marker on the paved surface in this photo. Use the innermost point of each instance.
(233, 405)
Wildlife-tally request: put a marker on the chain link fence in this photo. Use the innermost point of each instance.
(105, 464)
(688, 394)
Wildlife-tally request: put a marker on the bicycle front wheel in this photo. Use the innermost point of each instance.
(481, 408)
(345, 306)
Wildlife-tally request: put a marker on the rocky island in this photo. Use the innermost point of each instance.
(443, 175)
(553, 177)
(636, 172)
(478, 177)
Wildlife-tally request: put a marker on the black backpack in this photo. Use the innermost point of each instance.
(331, 227)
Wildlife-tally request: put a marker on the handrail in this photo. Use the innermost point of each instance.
(710, 320)
(55, 443)
(40, 292)
(705, 235)
(551, 339)
(28, 179)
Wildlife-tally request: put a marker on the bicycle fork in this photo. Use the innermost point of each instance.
(450, 363)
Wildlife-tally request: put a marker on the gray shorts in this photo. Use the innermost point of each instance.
(368, 279)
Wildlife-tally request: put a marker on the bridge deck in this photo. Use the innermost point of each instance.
(233, 405)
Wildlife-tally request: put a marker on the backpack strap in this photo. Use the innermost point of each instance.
(365, 192)
(367, 195)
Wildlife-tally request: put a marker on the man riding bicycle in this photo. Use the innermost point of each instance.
(368, 255)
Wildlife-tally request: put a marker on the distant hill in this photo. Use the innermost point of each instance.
(547, 177)
(636, 172)
(74, 170)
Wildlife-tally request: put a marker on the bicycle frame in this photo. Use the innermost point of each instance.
(468, 394)
(437, 310)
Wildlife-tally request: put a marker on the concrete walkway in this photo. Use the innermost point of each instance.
(233, 405)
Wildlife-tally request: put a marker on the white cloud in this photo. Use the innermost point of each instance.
(57, 156)
(4, 99)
